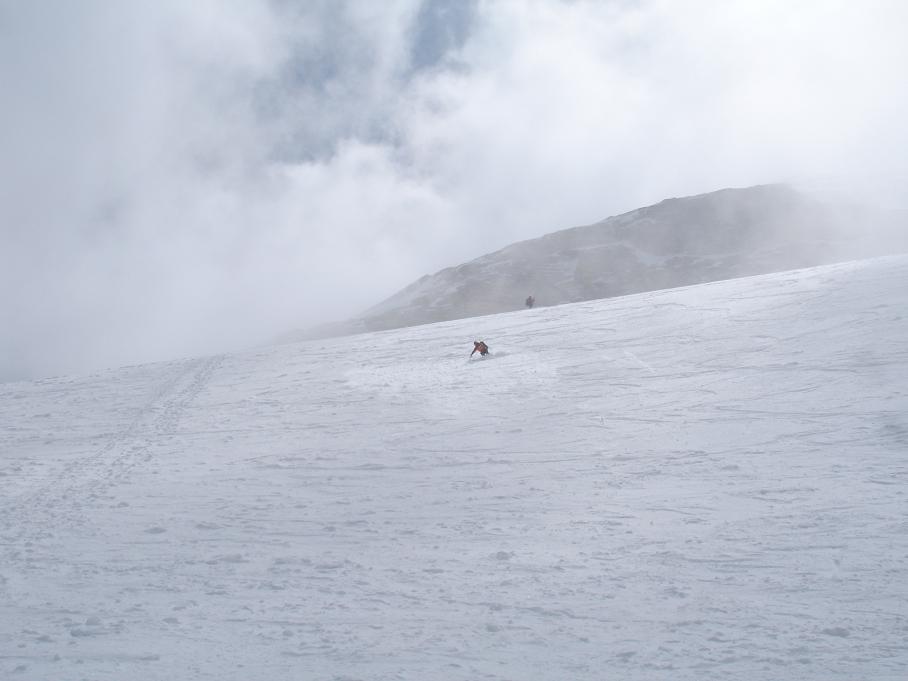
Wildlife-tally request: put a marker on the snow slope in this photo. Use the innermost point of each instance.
(677, 242)
(701, 483)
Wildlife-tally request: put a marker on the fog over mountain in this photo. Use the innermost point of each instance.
(677, 242)
(181, 178)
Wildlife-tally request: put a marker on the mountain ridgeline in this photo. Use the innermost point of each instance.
(677, 242)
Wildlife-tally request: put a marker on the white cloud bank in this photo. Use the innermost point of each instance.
(187, 177)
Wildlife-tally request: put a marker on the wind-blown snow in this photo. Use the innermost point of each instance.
(700, 483)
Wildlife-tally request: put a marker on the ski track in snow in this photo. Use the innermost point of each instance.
(702, 483)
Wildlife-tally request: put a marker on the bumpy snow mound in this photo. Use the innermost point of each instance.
(701, 483)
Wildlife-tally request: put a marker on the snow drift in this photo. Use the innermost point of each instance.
(707, 482)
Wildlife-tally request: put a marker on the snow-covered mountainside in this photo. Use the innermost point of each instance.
(678, 242)
(701, 483)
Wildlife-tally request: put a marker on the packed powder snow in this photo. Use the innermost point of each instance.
(691, 484)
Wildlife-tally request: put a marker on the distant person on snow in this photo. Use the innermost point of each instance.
(530, 301)
(481, 348)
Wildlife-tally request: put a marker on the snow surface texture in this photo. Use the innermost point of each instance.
(677, 242)
(702, 483)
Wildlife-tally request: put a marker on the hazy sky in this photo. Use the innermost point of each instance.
(183, 177)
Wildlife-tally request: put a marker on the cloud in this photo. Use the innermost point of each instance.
(184, 178)
(588, 106)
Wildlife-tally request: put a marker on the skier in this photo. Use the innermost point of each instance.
(481, 348)
(530, 301)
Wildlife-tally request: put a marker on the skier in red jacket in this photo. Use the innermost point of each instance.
(481, 348)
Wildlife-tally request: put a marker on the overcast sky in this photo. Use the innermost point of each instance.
(186, 177)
